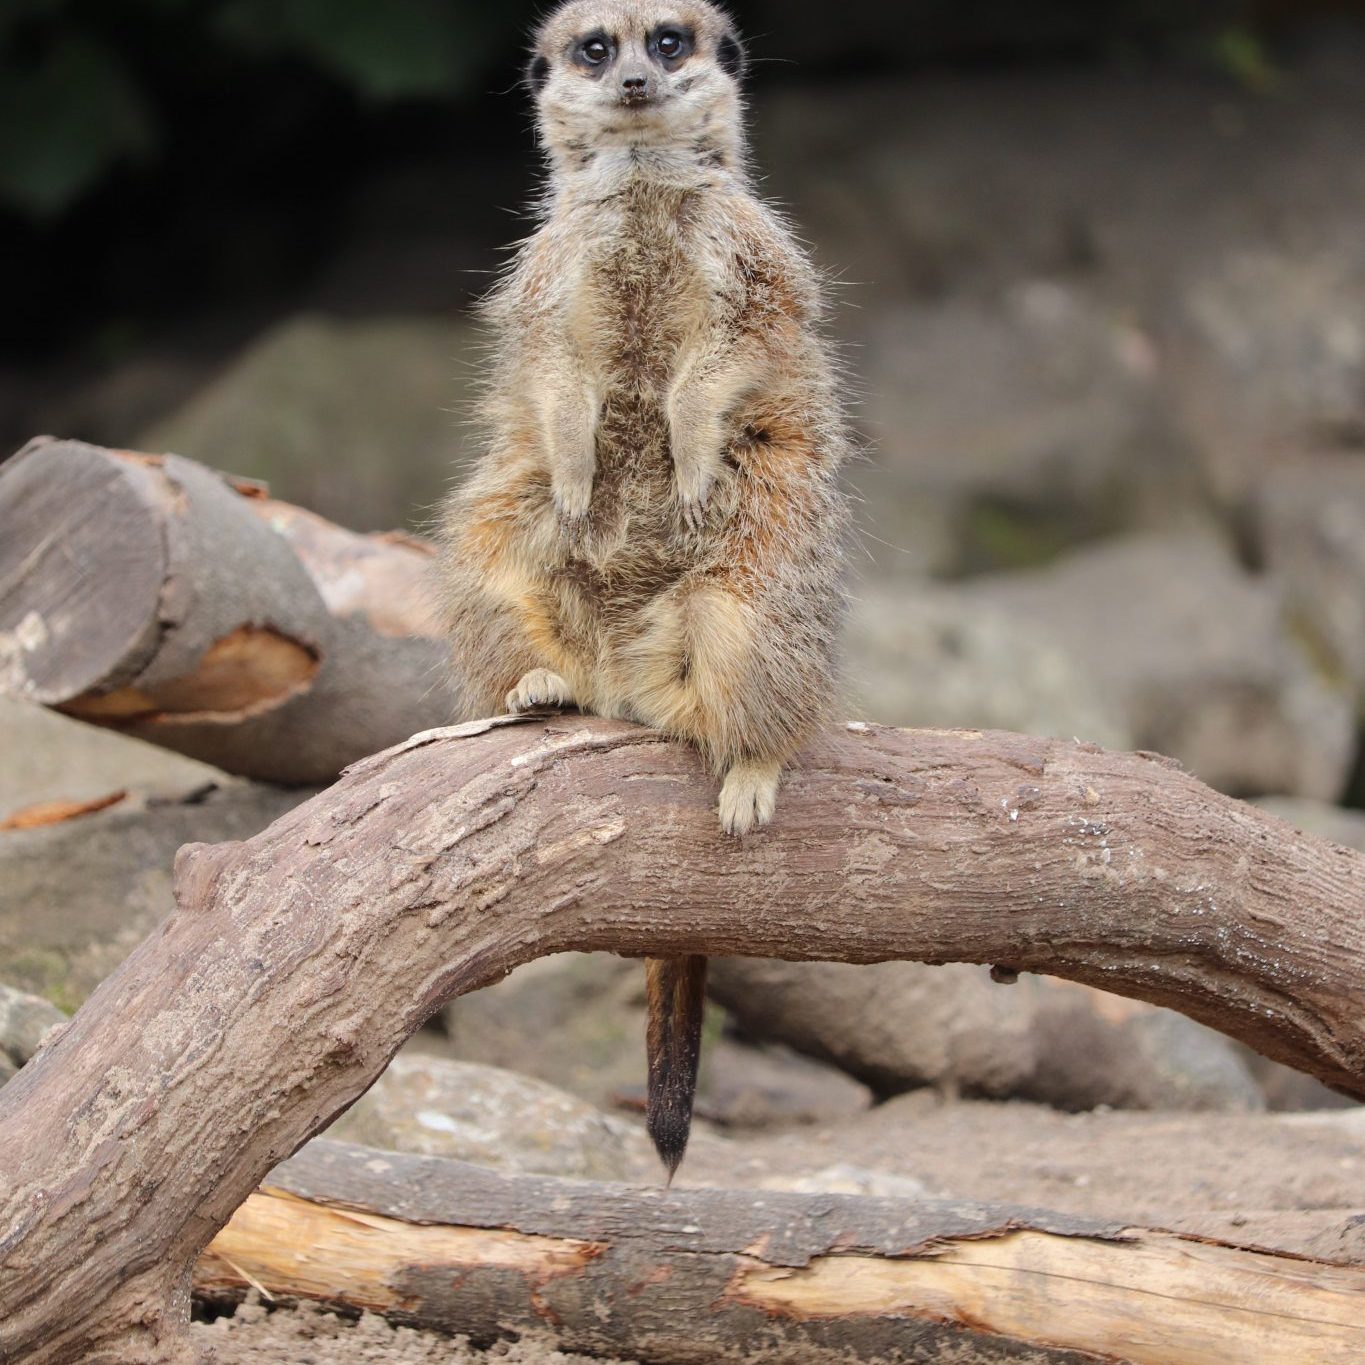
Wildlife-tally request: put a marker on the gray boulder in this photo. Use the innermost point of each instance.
(25, 1022)
(1198, 656)
(1269, 354)
(1341, 826)
(431, 1106)
(1007, 429)
(356, 420)
(1311, 522)
(938, 656)
(49, 757)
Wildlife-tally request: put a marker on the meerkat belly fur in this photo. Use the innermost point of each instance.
(655, 529)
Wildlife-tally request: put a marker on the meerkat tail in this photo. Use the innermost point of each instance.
(676, 993)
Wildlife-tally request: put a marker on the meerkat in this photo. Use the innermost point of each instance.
(654, 529)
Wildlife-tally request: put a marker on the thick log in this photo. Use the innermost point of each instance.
(683, 1277)
(150, 594)
(901, 1025)
(298, 962)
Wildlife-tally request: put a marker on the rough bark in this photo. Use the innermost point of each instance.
(685, 1278)
(299, 961)
(150, 594)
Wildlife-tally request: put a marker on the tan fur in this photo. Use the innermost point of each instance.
(656, 519)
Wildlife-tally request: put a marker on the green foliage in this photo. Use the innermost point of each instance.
(64, 120)
(80, 80)
(395, 50)
(1239, 52)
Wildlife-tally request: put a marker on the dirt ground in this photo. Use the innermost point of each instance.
(257, 1335)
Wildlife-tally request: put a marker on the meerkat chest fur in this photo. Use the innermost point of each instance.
(640, 294)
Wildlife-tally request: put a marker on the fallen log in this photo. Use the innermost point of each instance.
(298, 962)
(157, 597)
(902, 1025)
(683, 1277)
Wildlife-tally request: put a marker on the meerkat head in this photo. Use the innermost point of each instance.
(662, 75)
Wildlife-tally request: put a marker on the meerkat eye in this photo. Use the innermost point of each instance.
(672, 44)
(594, 51)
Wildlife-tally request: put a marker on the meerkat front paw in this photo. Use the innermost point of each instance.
(694, 482)
(572, 493)
(748, 796)
(539, 687)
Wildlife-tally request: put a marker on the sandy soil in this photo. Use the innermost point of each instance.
(306, 1335)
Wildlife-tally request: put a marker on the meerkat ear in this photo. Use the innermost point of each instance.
(537, 73)
(731, 55)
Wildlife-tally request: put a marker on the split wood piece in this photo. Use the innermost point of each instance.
(685, 1277)
(298, 962)
(157, 597)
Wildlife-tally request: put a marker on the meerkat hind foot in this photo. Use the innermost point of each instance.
(539, 687)
(748, 796)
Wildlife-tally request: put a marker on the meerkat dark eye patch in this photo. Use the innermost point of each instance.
(672, 44)
(594, 51)
(537, 73)
(730, 54)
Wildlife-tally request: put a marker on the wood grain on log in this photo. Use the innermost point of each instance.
(153, 595)
(681, 1277)
(299, 961)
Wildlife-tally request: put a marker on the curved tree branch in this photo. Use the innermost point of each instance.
(299, 961)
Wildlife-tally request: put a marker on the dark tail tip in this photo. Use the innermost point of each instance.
(676, 989)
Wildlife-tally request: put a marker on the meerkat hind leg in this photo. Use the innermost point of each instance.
(748, 796)
(539, 687)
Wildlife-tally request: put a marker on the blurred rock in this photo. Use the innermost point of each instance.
(934, 656)
(25, 1021)
(77, 896)
(434, 1107)
(356, 420)
(902, 1025)
(1341, 826)
(1018, 426)
(81, 883)
(757, 1087)
(49, 757)
(1269, 350)
(576, 1020)
(1311, 524)
(127, 397)
(844, 1178)
(1199, 657)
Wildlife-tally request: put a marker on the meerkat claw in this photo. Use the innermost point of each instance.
(539, 687)
(573, 527)
(748, 796)
(694, 492)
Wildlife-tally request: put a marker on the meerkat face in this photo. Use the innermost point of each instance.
(636, 73)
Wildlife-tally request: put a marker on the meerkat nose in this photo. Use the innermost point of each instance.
(634, 84)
